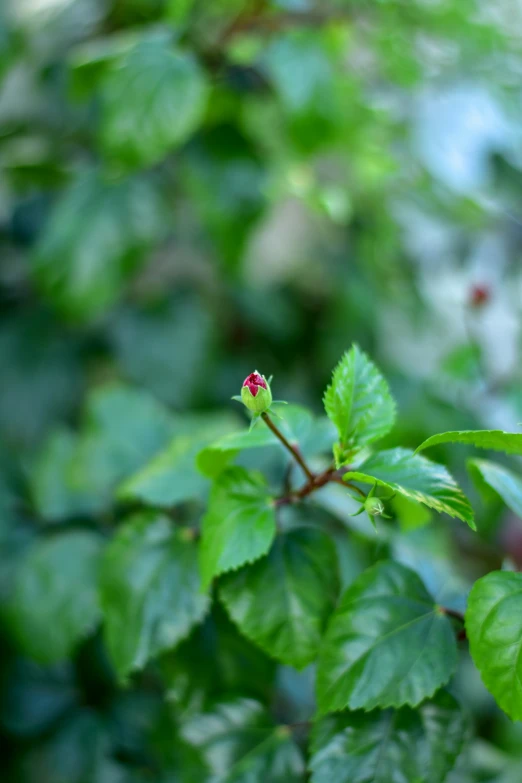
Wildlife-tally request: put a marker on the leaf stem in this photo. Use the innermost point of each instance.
(294, 451)
(452, 613)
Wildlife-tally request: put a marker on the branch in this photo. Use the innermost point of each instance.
(294, 451)
(258, 23)
(329, 476)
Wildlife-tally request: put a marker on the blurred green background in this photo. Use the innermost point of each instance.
(192, 189)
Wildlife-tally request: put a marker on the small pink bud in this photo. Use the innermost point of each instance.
(255, 381)
(479, 295)
(255, 393)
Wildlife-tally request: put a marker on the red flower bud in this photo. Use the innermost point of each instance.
(255, 393)
(254, 382)
(479, 295)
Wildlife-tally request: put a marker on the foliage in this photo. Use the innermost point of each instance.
(190, 190)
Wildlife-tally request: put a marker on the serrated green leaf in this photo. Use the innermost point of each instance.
(494, 630)
(502, 480)
(153, 99)
(44, 618)
(241, 745)
(358, 401)
(96, 237)
(386, 644)
(378, 747)
(150, 590)
(417, 478)
(239, 526)
(282, 602)
(496, 440)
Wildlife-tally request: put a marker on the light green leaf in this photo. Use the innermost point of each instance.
(300, 69)
(503, 481)
(386, 645)
(89, 61)
(494, 630)
(297, 425)
(123, 429)
(153, 99)
(416, 478)
(358, 401)
(241, 745)
(239, 526)
(96, 237)
(150, 590)
(54, 603)
(53, 494)
(378, 747)
(496, 440)
(171, 476)
(283, 601)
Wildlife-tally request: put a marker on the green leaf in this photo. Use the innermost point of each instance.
(96, 237)
(54, 603)
(283, 601)
(153, 99)
(496, 440)
(172, 476)
(300, 69)
(239, 526)
(164, 346)
(358, 401)
(150, 590)
(416, 478)
(88, 62)
(494, 630)
(295, 422)
(503, 481)
(241, 745)
(53, 494)
(386, 645)
(215, 659)
(378, 747)
(123, 429)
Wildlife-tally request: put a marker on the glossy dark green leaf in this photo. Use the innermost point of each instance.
(358, 401)
(494, 630)
(241, 745)
(496, 440)
(239, 526)
(283, 601)
(216, 659)
(153, 99)
(150, 590)
(392, 746)
(502, 480)
(77, 751)
(98, 234)
(386, 645)
(55, 603)
(417, 478)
